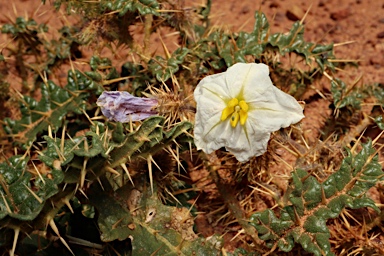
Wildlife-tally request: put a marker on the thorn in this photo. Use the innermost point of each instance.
(130, 124)
(86, 146)
(127, 172)
(344, 43)
(117, 223)
(33, 194)
(6, 203)
(377, 138)
(267, 191)
(38, 173)
(304, 141)
(149, 163)
(190, 149)
(82, 192)
(55, 229)
(323, 196)
(296, 154)
(50, 131)
(328, 76)
(193, 204)
(111, 170)
(242, 231)
(89, 119)
(297, 217)
(284, 162)
(168, 55)
(15, 237)
(173, 196)
(345, 219)
(176, 157)
(305, 15)
(358, 140)
(343, 60)
(83, 172)
(68, 204)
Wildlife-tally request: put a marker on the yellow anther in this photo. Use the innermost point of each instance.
(227, 112)
(229, 109)
(243, 105)
(237, 110)
(235, 119)
(233, 102)
(243, 116)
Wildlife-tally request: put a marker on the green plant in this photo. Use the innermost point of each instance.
(311, 203)
(73, 181)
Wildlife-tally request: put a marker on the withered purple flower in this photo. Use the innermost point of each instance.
(123, 107)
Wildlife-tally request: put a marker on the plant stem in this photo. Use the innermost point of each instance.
(229, 198)
(147, 33)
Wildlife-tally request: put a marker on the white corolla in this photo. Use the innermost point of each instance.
(238, 109)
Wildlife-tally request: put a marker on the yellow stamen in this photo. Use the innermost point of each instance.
(229, 109)
(237, 110)
(233, 102)
(235, 117)
(226, 113)
(243, 116)
(243, 105)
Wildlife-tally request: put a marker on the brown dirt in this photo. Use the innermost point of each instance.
(355, 26)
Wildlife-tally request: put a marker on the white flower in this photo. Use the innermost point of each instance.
(238, 110)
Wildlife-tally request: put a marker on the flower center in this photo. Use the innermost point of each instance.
(236, 110)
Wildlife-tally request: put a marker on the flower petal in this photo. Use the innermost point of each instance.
(247, 142)
(216, 84)
(274, 109)
(208, 113)
(243, 79)
(124, 107)
(267, 108)
(270, 107)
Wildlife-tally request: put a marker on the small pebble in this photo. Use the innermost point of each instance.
(380, 35)
(340, 15)
(295, 13)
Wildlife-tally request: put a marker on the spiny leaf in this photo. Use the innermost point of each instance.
(142, 6)
(54, 105)
(304, 221)
(151, 226)
(163, 69)
(148, 139)
(20, 198)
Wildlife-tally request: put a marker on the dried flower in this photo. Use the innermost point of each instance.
(123, 107)
(238, 110)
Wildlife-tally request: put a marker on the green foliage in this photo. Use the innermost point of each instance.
(352, 96)
(24, 29)
(164, 69)
(235, 48)
(343, 97)
(55, 104)
(121, 7)
(71, 164)
(312, 203)
(141, 6)
(135, 213)
(23, 196)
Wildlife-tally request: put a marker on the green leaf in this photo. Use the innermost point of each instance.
(304, 220)
(24, 197)
(151, 226)
(55, 104)
(163, 69)
(141, 6)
